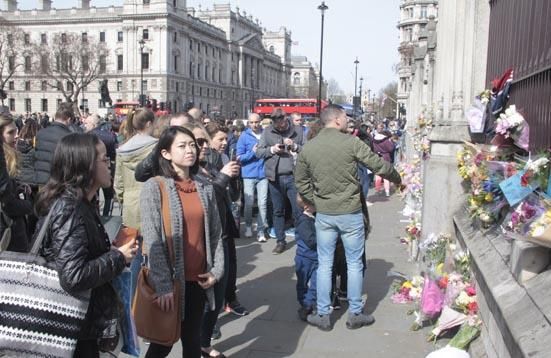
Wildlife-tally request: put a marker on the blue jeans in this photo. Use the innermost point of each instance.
(350, 227)
(283, 186)
(305, 268)
(261, 186)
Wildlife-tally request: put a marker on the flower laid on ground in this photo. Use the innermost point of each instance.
(485, 96)
(434, 248)
(522, 215)
(536, 170)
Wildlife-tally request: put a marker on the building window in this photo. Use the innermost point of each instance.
(191, 44)
(199, 71)
(191, 69)
(146, 2)
(27, 39)
(119, 36)
(102, 63)
(44, 105)
(175, 37)
(119, 86)
(11, 85)
(12, 104)
(296, 78)
(43, 39)
(69, 86)
(423, 12)
(145, 34)
(213, 52)
(28, 107)
(85, 63)
(144, 85)
(84, 104)
(64, 38)
(27, 85)
(198, 47)
(145, 61)
(11, 63)
(176, 60)
(44, 63)
(119, 63)
(44, 85)
(102, 36)
(58, 103)
(206, 72)
(10, 39)
(84, 37)
(59, 86)
(272, 50)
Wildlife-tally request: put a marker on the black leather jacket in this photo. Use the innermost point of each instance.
(78, 244)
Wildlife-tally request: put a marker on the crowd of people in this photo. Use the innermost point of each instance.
(307, 180)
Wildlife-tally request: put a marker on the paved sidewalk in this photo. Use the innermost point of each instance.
(267, 288)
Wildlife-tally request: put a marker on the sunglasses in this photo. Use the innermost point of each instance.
(202, 141)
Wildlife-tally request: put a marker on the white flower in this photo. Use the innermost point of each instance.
(537, 164)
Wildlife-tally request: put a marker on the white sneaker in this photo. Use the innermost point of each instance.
(367, 203)
(248, 232)
(261, 238)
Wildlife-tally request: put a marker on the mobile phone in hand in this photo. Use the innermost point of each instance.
(233, 156)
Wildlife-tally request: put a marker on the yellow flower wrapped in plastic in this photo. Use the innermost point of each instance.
(489, 197)
(407, 284)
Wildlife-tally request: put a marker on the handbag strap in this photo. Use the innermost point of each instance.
(165, 218)
(42, 233)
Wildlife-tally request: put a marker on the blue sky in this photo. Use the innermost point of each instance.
(362, 28)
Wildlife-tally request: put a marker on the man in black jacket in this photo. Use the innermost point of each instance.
(47, 139)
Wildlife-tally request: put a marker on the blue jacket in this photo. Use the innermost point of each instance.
(251, 166)
(305, 231)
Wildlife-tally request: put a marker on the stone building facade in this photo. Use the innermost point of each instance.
(304, 78)
(216, 59)
(414, 17)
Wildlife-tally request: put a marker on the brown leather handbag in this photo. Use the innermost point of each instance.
(153, 324)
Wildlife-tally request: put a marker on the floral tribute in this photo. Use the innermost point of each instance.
(445, 295)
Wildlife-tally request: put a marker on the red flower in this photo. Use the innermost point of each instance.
(525, 179)
(472, 308)
(443, 282)
(471, 291)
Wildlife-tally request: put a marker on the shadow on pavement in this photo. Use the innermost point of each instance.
(378, 283)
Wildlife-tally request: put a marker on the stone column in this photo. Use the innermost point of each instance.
(463, 56)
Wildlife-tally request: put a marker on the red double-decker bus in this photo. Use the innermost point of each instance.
(305, 106)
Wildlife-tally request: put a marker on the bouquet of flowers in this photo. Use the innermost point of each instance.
(511, 124)
(536, 170)
(519, 220)
(408, 290)
(540, 229)
(435, 248)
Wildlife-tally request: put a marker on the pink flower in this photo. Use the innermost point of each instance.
(472, 308)
(471, 291)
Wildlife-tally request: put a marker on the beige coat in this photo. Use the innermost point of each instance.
(127, 189)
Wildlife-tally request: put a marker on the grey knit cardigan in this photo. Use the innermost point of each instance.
(160, 274)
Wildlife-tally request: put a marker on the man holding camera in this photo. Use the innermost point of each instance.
(277, 145)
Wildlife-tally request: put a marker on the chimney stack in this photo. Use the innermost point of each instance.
(45, 4)
(10, 5)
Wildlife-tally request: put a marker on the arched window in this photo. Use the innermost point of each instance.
(272, 49)
(296, 78)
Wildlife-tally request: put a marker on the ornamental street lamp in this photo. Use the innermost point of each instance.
(142, 44)
(354, 101)
(322, 8)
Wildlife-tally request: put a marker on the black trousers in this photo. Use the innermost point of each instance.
(191, 325)
(232, 271)
(87, 349)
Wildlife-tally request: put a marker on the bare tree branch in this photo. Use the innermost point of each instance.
(72, 60)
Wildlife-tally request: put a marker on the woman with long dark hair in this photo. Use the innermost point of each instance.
(76, 241)
(196, 236)
(14, 209)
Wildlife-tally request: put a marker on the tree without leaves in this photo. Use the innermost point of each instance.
(333, 88)
(11, 50)
(388, 108)
(70, 62)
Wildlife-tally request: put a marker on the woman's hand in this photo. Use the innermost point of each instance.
(206, 280)
(129, 250)
(166, 302)
(231, 169)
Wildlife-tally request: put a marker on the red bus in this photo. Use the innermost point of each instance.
(304, 106)
(122, 108)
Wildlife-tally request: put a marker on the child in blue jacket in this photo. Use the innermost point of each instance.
(306, 258)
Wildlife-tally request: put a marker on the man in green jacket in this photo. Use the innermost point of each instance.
(327, 175)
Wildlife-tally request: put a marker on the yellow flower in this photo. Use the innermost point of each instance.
(407, 284)
(489, 197)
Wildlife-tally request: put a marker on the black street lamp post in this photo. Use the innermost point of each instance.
(354, 101)
(322, 8)
(361, 82)
(142, 44)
